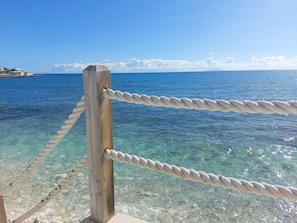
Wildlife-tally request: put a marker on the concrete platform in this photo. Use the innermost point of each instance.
(118, 218)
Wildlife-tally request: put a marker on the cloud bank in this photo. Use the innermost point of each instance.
(210, 63)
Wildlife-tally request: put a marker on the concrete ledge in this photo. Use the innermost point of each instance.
(118, 218)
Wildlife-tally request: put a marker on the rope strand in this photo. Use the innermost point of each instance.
(265, 107)
(287, 193)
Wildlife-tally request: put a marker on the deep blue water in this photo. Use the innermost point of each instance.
(248, 146)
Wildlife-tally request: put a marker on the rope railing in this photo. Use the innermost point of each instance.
(72, 174)
(103, 187)
(253, 187)
(72, 118)
(246, 106)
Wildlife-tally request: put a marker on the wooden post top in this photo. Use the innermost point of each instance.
(96, 68)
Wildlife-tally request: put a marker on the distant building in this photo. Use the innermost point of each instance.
(15, 72)
(20, 72)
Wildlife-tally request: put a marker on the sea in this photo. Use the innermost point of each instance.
(253, 147)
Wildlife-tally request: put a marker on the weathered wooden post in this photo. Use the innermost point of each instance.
(99, 136)
(3, 218)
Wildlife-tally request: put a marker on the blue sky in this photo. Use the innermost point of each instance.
(62, 36)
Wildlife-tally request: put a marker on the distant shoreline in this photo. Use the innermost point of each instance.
(13, 76)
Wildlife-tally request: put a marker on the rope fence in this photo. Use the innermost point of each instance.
(101, 170)
(64, 129)
(72, 118)
(287, 193)
(265, 107)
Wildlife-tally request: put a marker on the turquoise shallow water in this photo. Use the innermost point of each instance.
(248, 146)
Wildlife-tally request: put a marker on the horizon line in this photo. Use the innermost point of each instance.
(151, 72)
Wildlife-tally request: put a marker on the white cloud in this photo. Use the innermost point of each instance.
(274, 62)
(210, 63)
(70, 68)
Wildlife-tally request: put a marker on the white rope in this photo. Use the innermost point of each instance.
(288, 193)
(265, 107)
(55, 191)
(72, 118)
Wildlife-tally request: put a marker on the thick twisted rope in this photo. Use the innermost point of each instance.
(288, 193)
(72, 118)
(265, 107)
(55, 191)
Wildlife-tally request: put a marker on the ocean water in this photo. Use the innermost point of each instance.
(253, 147)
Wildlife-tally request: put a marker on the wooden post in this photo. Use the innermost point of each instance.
(99, 137)
(3, 218)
